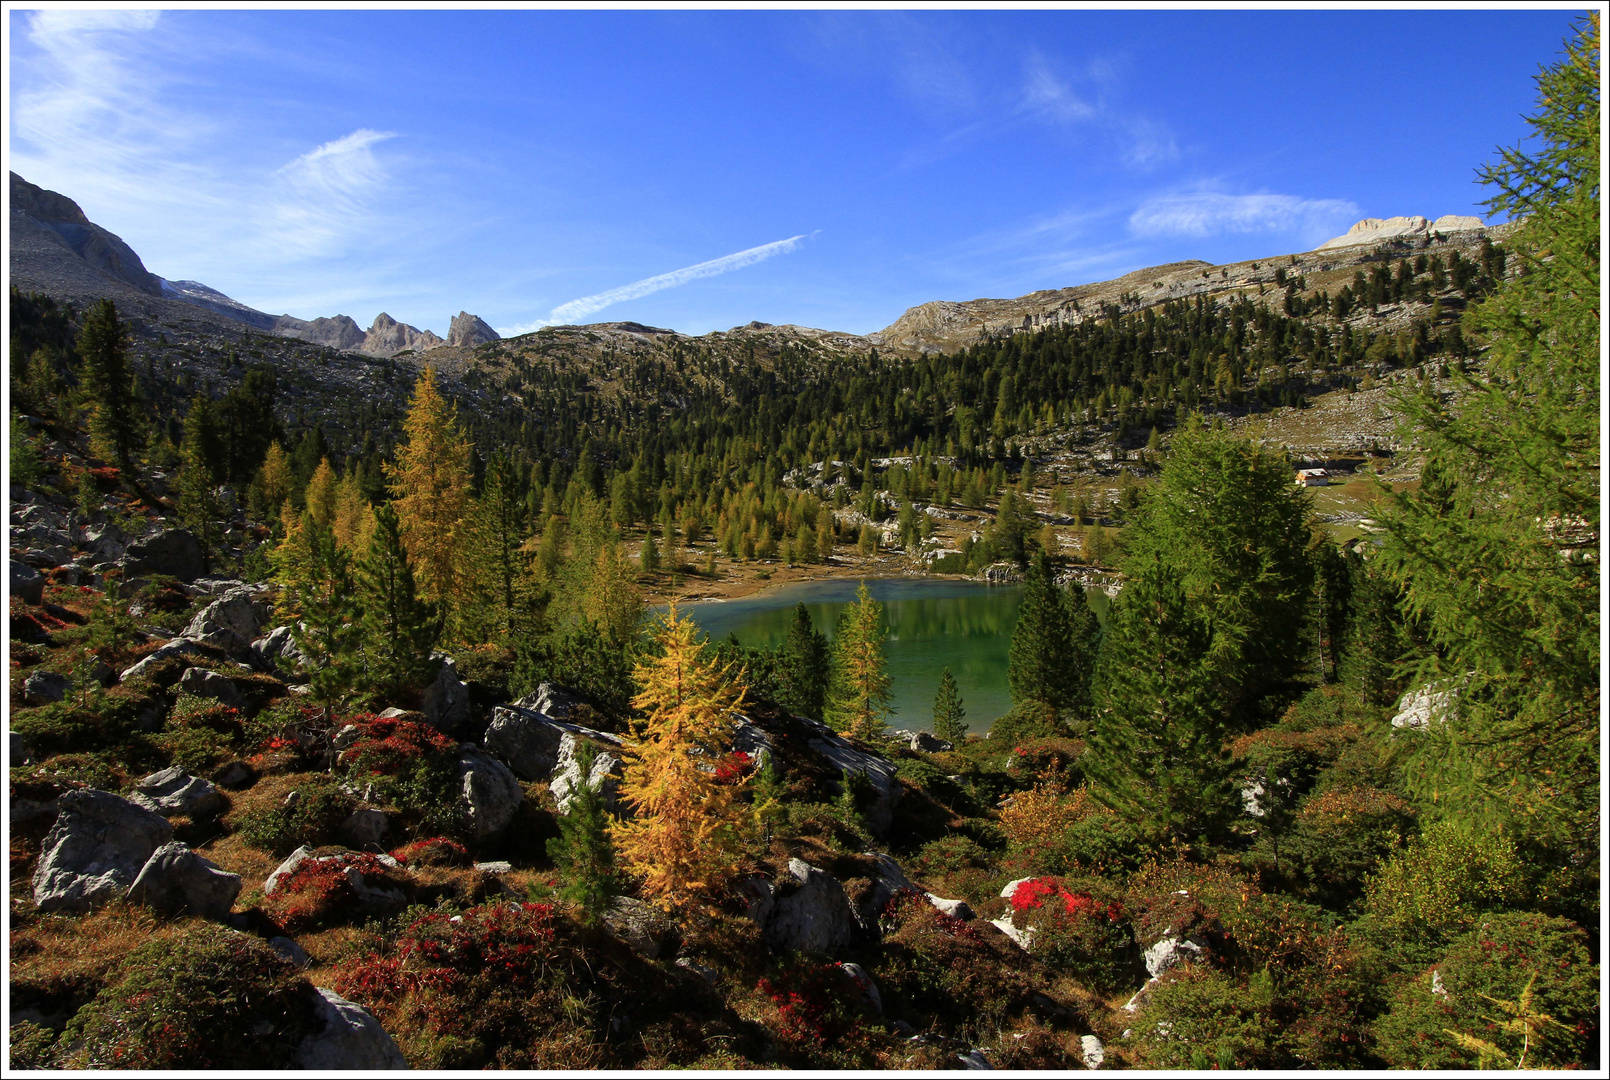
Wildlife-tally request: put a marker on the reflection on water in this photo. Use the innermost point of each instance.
(933, 624)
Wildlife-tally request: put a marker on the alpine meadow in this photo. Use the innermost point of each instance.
(362, 709)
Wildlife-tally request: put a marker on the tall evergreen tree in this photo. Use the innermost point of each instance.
(103, 344)
(1500, 564)
(199, 509)
(399, 629)
(1157, 740)
(858, 698)
(249, 425)
(805, 667)
(1054, 645)
(1233, 529)
(318, 596)
(949, 716)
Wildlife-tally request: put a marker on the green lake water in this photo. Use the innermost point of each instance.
(932, 624)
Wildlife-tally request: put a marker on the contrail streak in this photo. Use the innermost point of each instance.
(576, 310)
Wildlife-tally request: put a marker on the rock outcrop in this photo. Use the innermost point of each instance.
(175, 880)
(178, 647)
(230, 623)
(879, 772)
(95, 851)
(387, 337)
(175, 793)
(100, 249)
(1372, 231)
(808, 912)
(605, 776)
(346, 1037)
(171, 551)
(468, 330)
(527, 736)
(489, 793)
(27, 584)
(45, 687)
(446, 702)
(202, 683)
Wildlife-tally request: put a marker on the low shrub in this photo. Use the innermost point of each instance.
(311, 820)
(433, 851)
(1037, 819)
(321, 893)
(1086, 935)
(1049, 763)
(1343, 834)
(104, 720)
(1442, 882)
(409, 765)
(1508, 958)
(206, 998)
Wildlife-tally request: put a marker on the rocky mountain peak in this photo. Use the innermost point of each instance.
(1380, 230)
(470, 330)
(387, 337)
(37, 214)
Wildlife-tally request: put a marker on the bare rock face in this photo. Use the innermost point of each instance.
(1372, 231)
(810, 913)
(469, 330)
(177, 647)
(95, 851)
(490, 793)
(27, 584)
(44, 687)
(446, 703)
(171, 551)
(175, 880)
(347, 1037)
(340, 332)
(99, 248)
(604, 778)
(231, 622)
(527, 734)
(173, 792)
(387, 337)
(879, 772)
(202, 683)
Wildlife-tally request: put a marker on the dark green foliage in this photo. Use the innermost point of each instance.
(949, 716)
(318, 811)
(1374, 640)
(1034, 720)
(327, 631)
(1499, 560)
(399, 629)
(208, 998)
(248, 424)
(803, 667)
(1499, 959)
(1053, 646)
(584, 659)
(103, 344)
(202, 464)
(1156, 742)
(583, 853)
(26, 467)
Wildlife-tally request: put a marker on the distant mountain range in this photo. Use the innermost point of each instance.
(56, 249)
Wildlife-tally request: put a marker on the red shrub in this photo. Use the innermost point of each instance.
(319, 892)
(435, 851)
(906, 905)
(731, 769)
(812, 1002)
(391, 746)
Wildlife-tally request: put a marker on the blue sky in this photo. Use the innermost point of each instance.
(697, 170)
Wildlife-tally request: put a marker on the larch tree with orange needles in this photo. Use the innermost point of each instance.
(430, 486)
(688, 829)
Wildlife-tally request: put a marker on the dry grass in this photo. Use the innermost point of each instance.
(59, 962)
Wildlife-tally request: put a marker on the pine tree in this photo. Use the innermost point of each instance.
(949, 716)
(1500, 564)
(804, 667)
(318, 592)
(687, 832)
(494, 569)
(1053, 646)
(582, 852)
(858, 698)
(103, 343)
(399, 630)
(199, 510)
(1233, 529)
(430, 485)
(1156, 741)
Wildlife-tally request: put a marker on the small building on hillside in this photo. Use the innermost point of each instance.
(1312, 477)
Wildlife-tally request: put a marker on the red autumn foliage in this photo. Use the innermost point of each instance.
(731, 769)
(812, 1002)
(390, 746)
(319, 891)
(434, 851)
(1032, 896)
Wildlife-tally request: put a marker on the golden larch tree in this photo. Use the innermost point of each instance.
(321, 494)
(275, 476)
(688, 831)
(430, 486)
(353, 520)
(858, 700)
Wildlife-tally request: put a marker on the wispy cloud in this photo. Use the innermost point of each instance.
(1208, 213)
(320, 196)
(576, 310)
(1047, 96)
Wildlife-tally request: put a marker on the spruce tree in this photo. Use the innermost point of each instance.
(399, 630)
(1500, 564)
(1156, 744)
(1052, 652)
(858, 697)
(103, 344)
(949, 716)
(804, 667)
(199, 509)
(582, 852)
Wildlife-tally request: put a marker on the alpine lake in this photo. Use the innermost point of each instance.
(932, 624)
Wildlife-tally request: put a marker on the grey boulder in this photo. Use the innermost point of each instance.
(489, 794)
(27, 584)
(45, 687)
(175, 880)
(174, 792)
(346, 1036)
(95, 851)
(230, 623)
(529, 741)
(604, 777)
(810, 912)
(446, 702)
(179, 646)
(291, 951)
(202, 683)
(640, 925)
(364, 829)
(277, 650)
(172, 551)
(879, 772)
